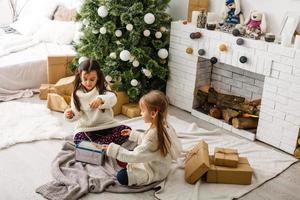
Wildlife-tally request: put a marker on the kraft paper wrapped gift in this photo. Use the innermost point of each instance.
(56, 102)
(65, 86)
(122, 98)
(131, 110)
(197, 162)
(89, 152)
(45, 89)
(58, 67)
(226, 157)
(241, 175)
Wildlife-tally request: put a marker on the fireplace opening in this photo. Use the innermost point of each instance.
(228, 96)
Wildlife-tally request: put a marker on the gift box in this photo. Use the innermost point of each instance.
(242, 174)
(56, 102)
(45, 89)
(122, 98)
(58, 67)
(89, 152)
(65, 86)
(131, 110)
(197, 162)
(226, 157)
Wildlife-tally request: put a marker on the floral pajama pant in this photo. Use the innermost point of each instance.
(104, 136)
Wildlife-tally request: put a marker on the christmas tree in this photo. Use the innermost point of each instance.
(129, 39)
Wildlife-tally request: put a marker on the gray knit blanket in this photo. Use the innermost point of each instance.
(73, 180)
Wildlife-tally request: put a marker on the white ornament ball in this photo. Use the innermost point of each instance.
(163, 29)
(81, 59)
(108, 78)
(149, 18)
(118, 33)
(146, 33)
(85, 22)
(102, 11)
(129, 27)
(113, 55)
(135, 63)
(95, 31)
(102, 30)
(147, 73)
(158, 34)
(131, 58)
(134, 82)
(118, 42)
(125, 55)
(163, 53)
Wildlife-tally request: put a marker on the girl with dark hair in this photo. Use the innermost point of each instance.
(91, 105)
(151, 160)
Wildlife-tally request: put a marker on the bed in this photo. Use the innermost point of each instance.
(23, 54)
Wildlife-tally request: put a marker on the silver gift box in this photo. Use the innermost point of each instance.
(89, 152)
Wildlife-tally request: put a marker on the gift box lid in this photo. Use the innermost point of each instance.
(226, 157)
(197, 162)
(90, 146)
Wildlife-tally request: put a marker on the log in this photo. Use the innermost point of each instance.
(215, 97)
(215, 112)
(298, 141)
(229, 114)
(201, 97)
(245, 123)
(255, 102)
(297, 153)
(229, 101)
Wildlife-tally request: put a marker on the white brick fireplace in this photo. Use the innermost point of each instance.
(272, 73)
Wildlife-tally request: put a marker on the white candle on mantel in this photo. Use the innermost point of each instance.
(195, 15)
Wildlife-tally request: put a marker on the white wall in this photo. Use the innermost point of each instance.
(274, 9)
(5, 14)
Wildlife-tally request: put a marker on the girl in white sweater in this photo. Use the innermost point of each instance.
(151, 160)
(91, 105)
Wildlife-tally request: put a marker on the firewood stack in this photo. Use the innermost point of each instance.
(234, 110)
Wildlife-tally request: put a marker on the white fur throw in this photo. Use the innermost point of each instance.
(25, 122)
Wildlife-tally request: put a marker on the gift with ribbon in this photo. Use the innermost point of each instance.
(241, 175)
(226, 157)
(196, 162)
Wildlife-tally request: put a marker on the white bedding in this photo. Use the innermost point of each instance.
(27, 67)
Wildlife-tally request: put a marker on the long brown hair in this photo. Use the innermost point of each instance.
(157, 101)
(88, 66)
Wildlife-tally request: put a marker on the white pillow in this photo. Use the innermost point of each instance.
(38, 8)
(27, 25)
(60, 32)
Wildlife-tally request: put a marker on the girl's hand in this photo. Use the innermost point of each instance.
(125, 132)
(104, 146)
(69, 114)
(96, 103)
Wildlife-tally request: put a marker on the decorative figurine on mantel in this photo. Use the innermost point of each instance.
(231, 15)
(256, 24)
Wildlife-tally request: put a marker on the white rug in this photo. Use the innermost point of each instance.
(25, 122)
(266, 163)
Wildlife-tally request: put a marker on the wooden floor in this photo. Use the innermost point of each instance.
(286, 186)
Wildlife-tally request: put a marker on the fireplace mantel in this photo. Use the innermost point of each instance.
(279, 121)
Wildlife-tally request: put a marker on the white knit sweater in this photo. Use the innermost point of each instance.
(93, 119)
(145, 163)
